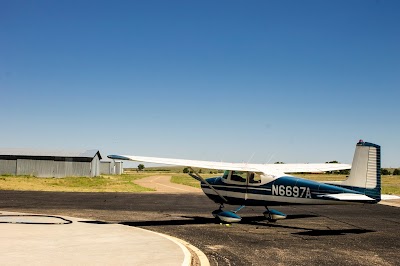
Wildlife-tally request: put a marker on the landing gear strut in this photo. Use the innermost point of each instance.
(216, 212)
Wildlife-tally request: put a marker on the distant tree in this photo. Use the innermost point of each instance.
(186, 170)
(396, 172)
(385, 171)
(140, 167)
(344, 172)
(200, 171)
(340, 172)
(278, 162)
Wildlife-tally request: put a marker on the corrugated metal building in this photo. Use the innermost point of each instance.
(111, 168)
(119, 168)
(49, 163)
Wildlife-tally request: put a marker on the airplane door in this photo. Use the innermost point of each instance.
(252, 180)
(240, 180)
(247, 185)
(250, 176)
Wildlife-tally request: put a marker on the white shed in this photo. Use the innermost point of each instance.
(111, 167)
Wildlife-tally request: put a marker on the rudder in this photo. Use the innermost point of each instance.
(365, 174)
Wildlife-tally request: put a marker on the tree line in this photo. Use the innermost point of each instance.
(385, 171)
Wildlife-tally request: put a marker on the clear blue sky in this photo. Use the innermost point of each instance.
(258, 81)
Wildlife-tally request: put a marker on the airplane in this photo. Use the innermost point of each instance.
(266, 185)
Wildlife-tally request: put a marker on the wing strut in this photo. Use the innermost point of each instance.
(198, 177)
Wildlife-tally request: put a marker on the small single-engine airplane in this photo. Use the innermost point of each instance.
(270, 184)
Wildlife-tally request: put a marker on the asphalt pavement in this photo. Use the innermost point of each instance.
(311, 235)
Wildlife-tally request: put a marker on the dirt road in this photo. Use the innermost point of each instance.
(162, 184)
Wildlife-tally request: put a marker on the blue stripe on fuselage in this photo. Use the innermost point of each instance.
(315, 187)
(285, 186)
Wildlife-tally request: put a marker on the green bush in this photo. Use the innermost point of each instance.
(385, 171)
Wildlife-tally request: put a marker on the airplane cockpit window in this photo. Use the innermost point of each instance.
(239, 176)
(254, 178)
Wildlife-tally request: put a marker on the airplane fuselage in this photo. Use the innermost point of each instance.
(284, 190)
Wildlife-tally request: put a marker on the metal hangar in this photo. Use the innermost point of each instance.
(49, 163)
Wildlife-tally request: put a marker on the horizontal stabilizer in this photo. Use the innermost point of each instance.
(347, 197)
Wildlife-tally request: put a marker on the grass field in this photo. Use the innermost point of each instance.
(124, 183)
(391, 184)
(184, 179)
(114, 183)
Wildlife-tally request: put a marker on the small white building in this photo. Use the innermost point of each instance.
(42, 163)
(111, 167)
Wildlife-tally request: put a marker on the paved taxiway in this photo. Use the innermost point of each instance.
(324, 235)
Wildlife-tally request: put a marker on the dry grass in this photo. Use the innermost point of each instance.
(112, 183)
(185, 179)
(124, 183)
(391, 184)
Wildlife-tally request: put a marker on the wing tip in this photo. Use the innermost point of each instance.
(117, 157)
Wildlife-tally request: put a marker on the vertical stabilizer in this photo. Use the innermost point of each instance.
(365, 174)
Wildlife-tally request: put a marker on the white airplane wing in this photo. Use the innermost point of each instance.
(265, 168)
(307, 168)
(190, 163)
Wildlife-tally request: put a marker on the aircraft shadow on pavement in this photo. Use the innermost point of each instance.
(300, 216)
(250, 220)
(207, 220)
(316, 232)
(190, 220)
(94, 222)
(254, 220)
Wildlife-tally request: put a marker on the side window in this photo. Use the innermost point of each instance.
(254, 178)
(239, 176)
(226, 174)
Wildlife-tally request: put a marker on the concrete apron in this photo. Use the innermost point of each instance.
(44, 240)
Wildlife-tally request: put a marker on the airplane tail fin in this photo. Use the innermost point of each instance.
(365, 174)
